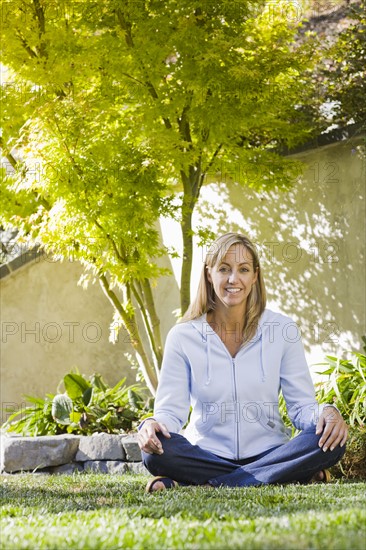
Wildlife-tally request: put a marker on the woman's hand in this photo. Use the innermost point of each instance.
(147, 439)
(333, 428)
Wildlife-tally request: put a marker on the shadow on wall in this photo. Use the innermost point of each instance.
(311, 241)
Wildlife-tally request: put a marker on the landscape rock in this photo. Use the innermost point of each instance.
(132, 450)
(137, 468)
(117, 467)
(34, 453)
(67, 453)
(96, 466)
(105, 466)
(67, 469)
(100, 446)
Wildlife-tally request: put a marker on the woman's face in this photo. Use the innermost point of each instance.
(233, 278)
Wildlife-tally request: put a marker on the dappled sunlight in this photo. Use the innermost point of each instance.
(310, 241)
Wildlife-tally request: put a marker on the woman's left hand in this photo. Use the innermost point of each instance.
(333, 428)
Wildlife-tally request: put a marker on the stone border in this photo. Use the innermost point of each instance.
(66, 454)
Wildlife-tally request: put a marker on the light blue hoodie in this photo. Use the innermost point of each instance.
(235, 400)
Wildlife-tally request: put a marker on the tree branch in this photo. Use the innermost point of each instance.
(109, 238)
(184, 126)
(133, 78)
(131, 325)
(155, 321)
(204, 174)
(148, 327)
(39, 12)
(8, 155)
(196, 178)
(77, 168)
(127, 28)
(25, 45)
(40, 16)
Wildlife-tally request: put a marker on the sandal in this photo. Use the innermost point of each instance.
(166, 481)
(326, 477)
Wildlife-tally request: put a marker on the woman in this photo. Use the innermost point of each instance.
(227, 360)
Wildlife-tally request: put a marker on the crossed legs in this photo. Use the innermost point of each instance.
(296, 461)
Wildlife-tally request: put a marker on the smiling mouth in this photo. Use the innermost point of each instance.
(233, 290)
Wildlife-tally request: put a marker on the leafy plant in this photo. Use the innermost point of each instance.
(34, 420)
(290, 428)
(353, 463)
(84, 408)
(346, 388)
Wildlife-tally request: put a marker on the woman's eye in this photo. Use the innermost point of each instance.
(223, 269)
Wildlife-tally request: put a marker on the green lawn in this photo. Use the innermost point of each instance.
(87, 511)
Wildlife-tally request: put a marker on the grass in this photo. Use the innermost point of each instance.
(91, 511)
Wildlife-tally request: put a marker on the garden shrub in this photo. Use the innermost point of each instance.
(85, 407)
(346, 388)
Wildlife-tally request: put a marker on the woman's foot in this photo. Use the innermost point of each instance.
(323, 476)
(160, 483)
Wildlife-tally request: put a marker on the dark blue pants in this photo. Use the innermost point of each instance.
(295, 461)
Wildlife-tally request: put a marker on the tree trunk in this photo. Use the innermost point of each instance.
(145, 301)
(186, 227)
(130, 323)
(192, 183)
(154, 319)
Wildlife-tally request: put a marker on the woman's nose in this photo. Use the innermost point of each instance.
(232, 277)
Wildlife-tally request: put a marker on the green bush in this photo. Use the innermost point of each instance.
(346, 388)
(86, 407)
(353, 463)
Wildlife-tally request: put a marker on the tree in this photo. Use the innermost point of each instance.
(102, 214)
(344, 74)
(218, 87)
(78, 186)
(205, 86)
(337, 78)
(110, 108)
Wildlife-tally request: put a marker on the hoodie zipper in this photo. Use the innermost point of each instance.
(236, 409)
(235, 395)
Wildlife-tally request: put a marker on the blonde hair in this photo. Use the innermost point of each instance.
(204, 301)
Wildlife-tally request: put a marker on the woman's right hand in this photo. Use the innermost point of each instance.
(147, 439)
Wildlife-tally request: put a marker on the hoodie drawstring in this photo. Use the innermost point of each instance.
(206, 336)
(208, 360)
(261, 361)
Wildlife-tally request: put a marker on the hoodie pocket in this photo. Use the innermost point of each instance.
(268, 417)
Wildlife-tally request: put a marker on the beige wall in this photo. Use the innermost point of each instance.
(49, 324)
(312, 243)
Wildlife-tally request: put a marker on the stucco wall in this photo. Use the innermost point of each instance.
(49, 324)
(312, 243)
